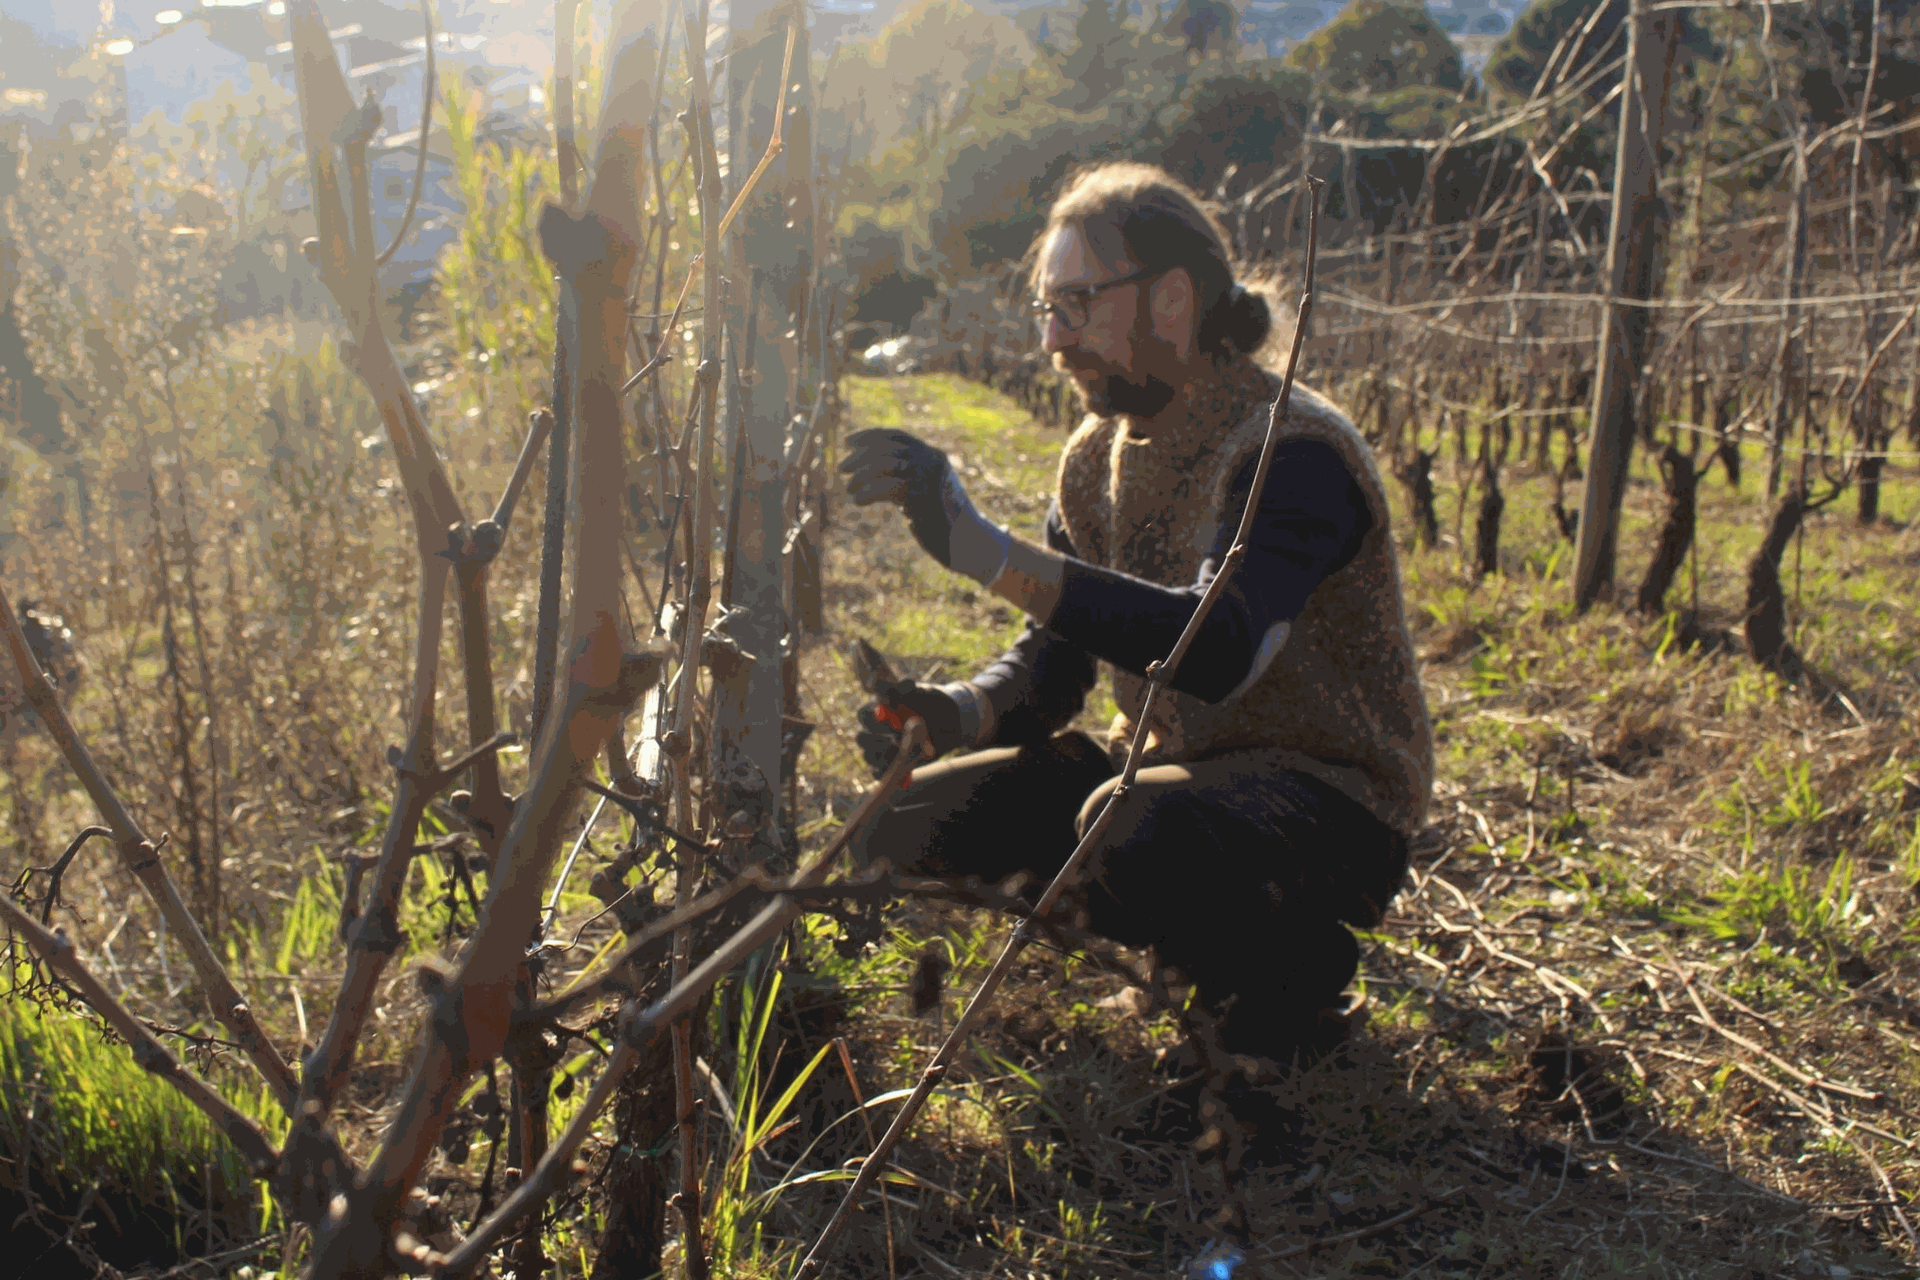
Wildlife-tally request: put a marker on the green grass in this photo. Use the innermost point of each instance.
(741, 1196)
(81, 1126)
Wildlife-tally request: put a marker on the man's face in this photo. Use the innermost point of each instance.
(1116, 360)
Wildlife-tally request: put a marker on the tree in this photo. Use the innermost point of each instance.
(995, 185)
(1203, 25)
(1376, 46)
(1096, 66)
(914, 76)
(1243, 123)
(1472, 17)
(1520, 59)
(1838, 51)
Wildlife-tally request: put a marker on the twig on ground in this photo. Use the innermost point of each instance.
(1706, 1019)
(1371, 1229)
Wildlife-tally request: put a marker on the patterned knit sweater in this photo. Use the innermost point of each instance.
(1341, 699)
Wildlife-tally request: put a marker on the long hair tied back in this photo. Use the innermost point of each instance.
(1140, 216)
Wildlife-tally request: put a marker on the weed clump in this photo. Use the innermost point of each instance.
(93, 1145)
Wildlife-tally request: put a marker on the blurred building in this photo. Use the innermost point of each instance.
(1472, 17)
(181, 67)
(1277, 25)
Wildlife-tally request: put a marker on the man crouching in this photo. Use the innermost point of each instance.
(1292, 759)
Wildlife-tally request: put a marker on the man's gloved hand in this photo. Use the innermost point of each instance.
(893, 466)
(952, 713)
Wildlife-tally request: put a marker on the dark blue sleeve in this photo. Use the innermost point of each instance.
(1039, 685)
(1311, 518)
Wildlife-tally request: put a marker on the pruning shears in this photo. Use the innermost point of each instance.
(876, 676)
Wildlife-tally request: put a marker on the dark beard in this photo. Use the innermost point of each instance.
(1115, 394)
(1138, 392)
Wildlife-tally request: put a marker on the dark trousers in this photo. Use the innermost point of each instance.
(1237, 872)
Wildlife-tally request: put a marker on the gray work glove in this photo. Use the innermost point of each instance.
(893, 466)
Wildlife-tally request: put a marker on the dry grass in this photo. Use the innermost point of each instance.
(1642, 1008)
(1647, 1004)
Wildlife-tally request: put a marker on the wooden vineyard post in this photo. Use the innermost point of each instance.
(1625, 322)
(1789, 361)
(767, 58)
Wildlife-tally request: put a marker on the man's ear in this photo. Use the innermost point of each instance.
(1172, 305)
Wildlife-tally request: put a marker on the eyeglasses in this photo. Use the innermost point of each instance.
(1071, 307)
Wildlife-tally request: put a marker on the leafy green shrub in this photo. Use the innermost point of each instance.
(1376, 46)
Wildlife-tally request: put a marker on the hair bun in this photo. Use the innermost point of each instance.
(1248, 318)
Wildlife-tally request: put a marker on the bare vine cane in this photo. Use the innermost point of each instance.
(55, 874)
(314, 1173)
(639, 1026)
(607, 980)
(493, 530)
(593, 253)
(472, 1011)
(687, 1200)
(1158, 675)
(776, 146)
(142, 858)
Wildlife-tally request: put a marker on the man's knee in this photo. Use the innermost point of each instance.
(1170, 864)
(989, 813)
(1159, 800)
